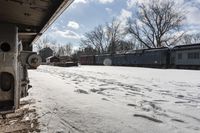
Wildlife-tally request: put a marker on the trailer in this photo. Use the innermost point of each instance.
(22, 22)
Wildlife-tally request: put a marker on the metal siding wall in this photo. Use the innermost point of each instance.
(185, 60)
(9, 62)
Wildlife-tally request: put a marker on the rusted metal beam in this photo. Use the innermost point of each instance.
(27, 33)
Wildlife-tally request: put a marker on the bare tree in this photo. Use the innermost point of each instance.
(42, 43)
(157, 23)
(46, 42)
(61, 51)
(64, 50)
(54, 46)
(104, 38)
(125, 46)
(38, 45)
(68, 49)
(196, 38)
(190, 38)
(95, 39)
(186, 39)
(114, 35)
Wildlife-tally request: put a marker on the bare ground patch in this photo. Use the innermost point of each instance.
(23, 120)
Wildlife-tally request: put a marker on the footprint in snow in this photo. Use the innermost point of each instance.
(178, 120)
(148, 117)
(105, 99)
(132, 105)
(81, 91)
(94, 90)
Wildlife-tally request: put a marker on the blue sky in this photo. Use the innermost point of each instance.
(83, 15)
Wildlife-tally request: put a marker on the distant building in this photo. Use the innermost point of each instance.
(65, 58)
(45, 53)
(52, 59)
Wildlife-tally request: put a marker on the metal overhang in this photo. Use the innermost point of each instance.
(33, 17)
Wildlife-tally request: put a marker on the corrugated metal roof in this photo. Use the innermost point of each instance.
(186, 47)
(32, 17)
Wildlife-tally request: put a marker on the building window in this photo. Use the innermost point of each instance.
(179, 56)
(193, 55)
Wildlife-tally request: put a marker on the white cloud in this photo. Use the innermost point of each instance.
(73, 24)
(81, 1)
(105, 1)
(123, 18)
(68, 34)
(124, 15)
(193, 17)
(130, 3)
(54, 28)
(108, 10)
(193, 30)
(86, 1)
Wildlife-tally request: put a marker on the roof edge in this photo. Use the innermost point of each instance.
(65, 4)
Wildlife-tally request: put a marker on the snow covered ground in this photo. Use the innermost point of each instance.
(107, 99)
